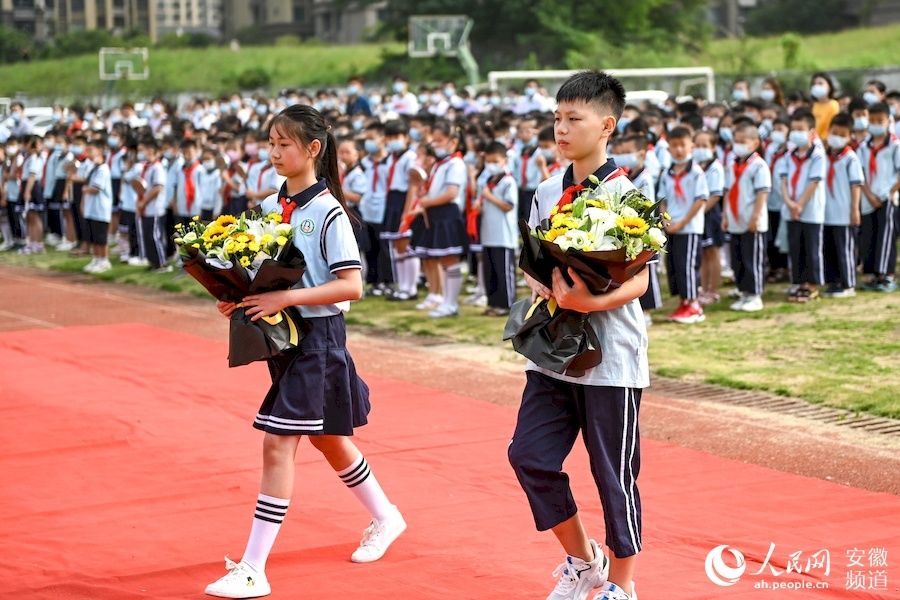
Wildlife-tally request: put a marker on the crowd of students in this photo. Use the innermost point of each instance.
(762, 188)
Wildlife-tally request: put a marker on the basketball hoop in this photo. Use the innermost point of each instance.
(443, 35)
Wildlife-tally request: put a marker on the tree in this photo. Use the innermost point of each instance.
(14, 45)
(777, 16)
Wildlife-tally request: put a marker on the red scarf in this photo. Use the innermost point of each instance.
(798, 166)
(873, 158)
(435, 168)
(527, 153)
(734, 194)
(833, 159)
(393, 166)
(190, 191)
(679, 191)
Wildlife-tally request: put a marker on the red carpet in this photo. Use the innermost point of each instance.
(130, 468)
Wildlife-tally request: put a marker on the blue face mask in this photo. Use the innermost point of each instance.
(622, 123)
(778, 138)
(371, 147)
(799, 138)
(492, 169)
(449, 91)
(113, 142)
(739, 95)
(860, 124)
(396, 146)
(441, 153)
(681, 161)
(877, 130)
(358, 125)
(870, 98)
(529, 92)
(140, 155)
(415, 134)
(261, 109)
(263, 154)
(725, 134)
(399, 88)
(353, 90)
(626, 161)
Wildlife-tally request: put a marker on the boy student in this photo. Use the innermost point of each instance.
(880, 158)
(776, 151)
(185, 202)
(372, 209)
(547, 160)
(685, 191)
(745, 217)
(842, 198)
(604, 403)
(859, 111)
(704, 154)
(499, 232)
(97, 207)
(630, 152)
(209, 186)
(151, 204)
(55, 148)
(802, 172)
(524, 162)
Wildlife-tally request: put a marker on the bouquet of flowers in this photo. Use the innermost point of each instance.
(233, 257)
(606, 238)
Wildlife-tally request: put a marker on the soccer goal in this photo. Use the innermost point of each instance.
(643, 84)
(117, 64)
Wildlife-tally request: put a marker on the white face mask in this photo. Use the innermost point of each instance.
(768, 95)
(209, 165)
(741, 150)
(778, 137)
(492, 169)
(819, 91)
(627, 161)
(799, 139)
(702, 154)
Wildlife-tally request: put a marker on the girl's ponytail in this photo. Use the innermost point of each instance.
(327, 167)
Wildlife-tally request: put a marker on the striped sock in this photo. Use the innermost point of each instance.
(359, 478)
(267, 521)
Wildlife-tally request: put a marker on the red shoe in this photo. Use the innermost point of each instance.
(678, 312)
(691, 314)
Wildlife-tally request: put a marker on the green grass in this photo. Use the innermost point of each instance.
(840, 353)
(211, 70)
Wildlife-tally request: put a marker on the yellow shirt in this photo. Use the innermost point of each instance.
(824, 112)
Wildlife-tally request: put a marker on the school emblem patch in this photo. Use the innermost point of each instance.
(307, 227)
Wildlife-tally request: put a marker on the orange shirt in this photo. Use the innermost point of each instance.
(824, 112)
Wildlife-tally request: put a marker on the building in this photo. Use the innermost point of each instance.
(32, 17)
(328, 20)
(189, 16)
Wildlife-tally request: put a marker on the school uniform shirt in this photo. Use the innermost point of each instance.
(661, 150)
(209, 190)
(447, 172)
(155, 176)
(33, 165)
(800, 169)
(49, 172)
(622, 332)
(844, 172)
(398, 168)
(59, 172)
(269, 179)
(880, 166)
(374, 200)
(499, 228)
(356, 180)
(12, 179)
(524, 167)
(653, 168)
(681, 192)
(253, 170)
(186, 183)
(643, 181)
(128, 195)
(715, 178)
(173, 167)
(98, 206)
(774, 157)
(404, 104)
(324, 234)
(743, 181)
(114, 160)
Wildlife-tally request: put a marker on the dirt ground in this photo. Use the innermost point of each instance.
(32, 299)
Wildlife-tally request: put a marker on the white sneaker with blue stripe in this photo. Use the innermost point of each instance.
(578, 578)
(613, 592)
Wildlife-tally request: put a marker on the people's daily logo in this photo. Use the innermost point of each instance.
(720, 573)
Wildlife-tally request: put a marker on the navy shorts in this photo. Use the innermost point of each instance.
(315, 389)
(713, 236)
(551, 416)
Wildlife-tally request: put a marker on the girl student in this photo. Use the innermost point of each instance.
(439, 232)
(299, 403)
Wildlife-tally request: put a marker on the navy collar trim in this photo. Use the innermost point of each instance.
(303, 198)
(602, 173)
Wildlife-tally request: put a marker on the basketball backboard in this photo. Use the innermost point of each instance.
(124, 64)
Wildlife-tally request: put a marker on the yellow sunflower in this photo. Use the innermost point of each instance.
(597, 204)
(554, 233)
(226, 220)
(274, 217)
(214, 233)
(632, 225)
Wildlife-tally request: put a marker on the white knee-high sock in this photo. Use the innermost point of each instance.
(414, 267)
(452, 285)
(361, 481)
(267, 521)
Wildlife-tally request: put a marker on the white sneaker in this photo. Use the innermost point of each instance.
(477, 300)
(51, 239)
(102, 266)
(66, 246)
(137, 261)
(89, 268)
(7, 245)
(611, 591)
(577, 578)
(378, 537)
(752, 304)
(430, 302)
(124, 257)
(739, 305)
(241, 581)
(444, 310)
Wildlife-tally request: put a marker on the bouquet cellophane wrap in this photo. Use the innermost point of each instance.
(563, 341)
(250, 341)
